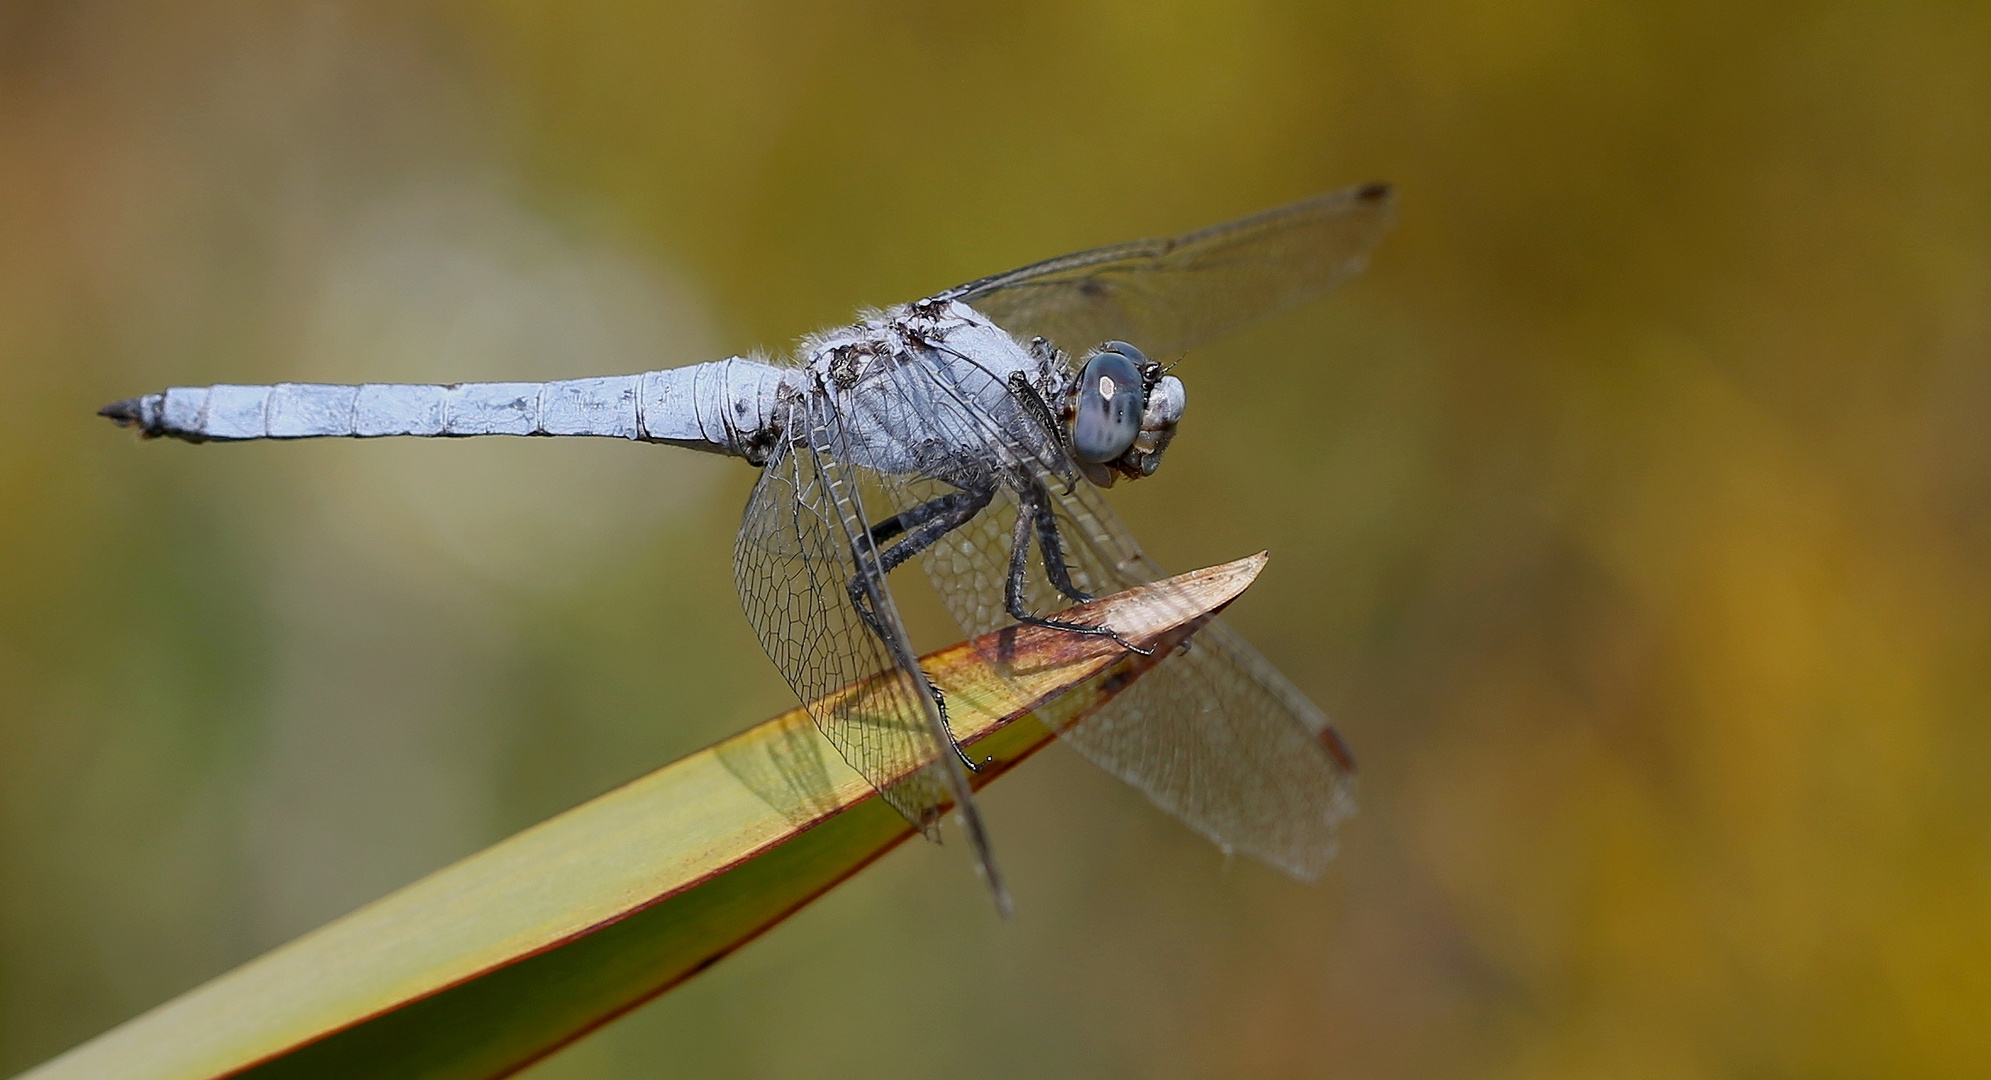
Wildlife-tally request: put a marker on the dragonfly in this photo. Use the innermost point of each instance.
(972, 431)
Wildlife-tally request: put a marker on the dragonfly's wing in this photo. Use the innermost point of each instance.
(801, 545)
(1170, 294)
(1219, 737)
(1215, 735)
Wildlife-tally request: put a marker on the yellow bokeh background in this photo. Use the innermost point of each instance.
(1631, 516)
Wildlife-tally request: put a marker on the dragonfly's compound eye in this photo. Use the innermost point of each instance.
(1111, 402)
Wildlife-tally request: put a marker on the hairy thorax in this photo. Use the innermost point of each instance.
(931, 389)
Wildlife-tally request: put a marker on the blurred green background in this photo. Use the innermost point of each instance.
(1632, 516)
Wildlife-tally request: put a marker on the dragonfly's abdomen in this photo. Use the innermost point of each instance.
(726, 407)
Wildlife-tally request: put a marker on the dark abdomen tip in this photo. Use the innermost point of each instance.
(124, 413)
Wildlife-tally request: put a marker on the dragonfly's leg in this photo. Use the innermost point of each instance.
(940, 702)
(1053, 547)
(923, 513)
(922, 526)
(929, 521)
(1012, 590)
(1019, 386)
(1055, 566)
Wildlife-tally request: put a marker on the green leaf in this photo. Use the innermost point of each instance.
(490, 964)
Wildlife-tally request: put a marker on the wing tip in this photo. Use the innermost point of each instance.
(1330, 740)
(1379, 191)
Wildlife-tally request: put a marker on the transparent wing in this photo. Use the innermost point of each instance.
(797, 554)
(1214, 735)
(1221, 739)
(1170, 294)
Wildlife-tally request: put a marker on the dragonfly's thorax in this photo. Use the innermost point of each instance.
(916, 332)
(936, 389)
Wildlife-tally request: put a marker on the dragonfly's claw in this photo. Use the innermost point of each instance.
(940, 701)
(1130, 646)
(972, 765)
(1091, 630)
(1108, 632)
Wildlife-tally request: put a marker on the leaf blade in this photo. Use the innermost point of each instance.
(489, 964)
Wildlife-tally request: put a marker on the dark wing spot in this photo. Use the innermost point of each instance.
(1337, 749)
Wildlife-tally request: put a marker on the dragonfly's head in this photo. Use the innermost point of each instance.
(1121, 413)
